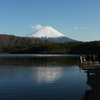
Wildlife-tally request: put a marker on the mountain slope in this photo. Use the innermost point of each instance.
(11, 40)
(50, 34)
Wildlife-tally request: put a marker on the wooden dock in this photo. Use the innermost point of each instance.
(89, 65)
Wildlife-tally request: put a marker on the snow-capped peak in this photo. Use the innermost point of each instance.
(46, 32)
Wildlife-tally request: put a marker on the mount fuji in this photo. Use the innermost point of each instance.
(48, 33)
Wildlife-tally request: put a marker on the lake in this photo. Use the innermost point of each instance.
(41, 77)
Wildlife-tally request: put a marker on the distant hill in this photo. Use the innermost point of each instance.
(11, 40)
(50, 34)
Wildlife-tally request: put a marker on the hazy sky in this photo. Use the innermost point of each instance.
(77, 19)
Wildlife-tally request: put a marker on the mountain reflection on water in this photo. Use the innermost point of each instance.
(48, 74)
(45, 69)
(41, 78)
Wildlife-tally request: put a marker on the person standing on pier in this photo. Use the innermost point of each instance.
(80, 59)
(99, 58)
(93, 58)
(88, 57)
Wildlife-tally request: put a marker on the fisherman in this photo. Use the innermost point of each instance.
(80, 59)
(99, 58)
(93, 58)
(83, 59)
(88, 57)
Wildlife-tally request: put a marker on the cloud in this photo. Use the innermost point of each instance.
(75, 28)
(84, 28)
(37, 27)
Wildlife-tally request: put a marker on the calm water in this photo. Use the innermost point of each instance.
(41, 77)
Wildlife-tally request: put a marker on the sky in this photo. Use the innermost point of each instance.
(76, 19)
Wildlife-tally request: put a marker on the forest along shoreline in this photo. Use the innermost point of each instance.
(52, 48)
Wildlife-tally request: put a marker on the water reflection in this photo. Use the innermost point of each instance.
(48, 74)
(93, 80)
(41, 78)
(39, 69)
(36, 61)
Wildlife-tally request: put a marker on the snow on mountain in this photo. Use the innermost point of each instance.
(46, 32)
(50, 34)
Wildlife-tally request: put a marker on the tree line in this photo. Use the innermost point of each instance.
(54, 48)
